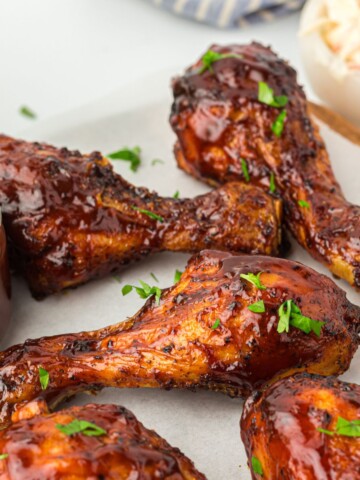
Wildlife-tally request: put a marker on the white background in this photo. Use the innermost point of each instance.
(60, 54)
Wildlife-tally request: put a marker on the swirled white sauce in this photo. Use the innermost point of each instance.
(338, 23)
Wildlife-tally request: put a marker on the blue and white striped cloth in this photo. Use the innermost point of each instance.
(230, 13)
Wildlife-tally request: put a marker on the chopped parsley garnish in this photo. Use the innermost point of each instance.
(44, 378)
(347, 428)
(176, 194)
(177, 276)
(256, 466)
(157, 160)
(266, 95)
(304, 204)
(127, 289)
(211, 57)
(257, 307)
(3, 456)
(144, 291)
(152, 215)
(272, 186)
(290, 315)
(131, 155)
(216, 324)
(278, 126)
(81, 426)
(154, 277)
(284, 316)
(26, 112)
(245, 170)
(254, 279)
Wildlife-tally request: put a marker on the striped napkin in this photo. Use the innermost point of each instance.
(230, 13)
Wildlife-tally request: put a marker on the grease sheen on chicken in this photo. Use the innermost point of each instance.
(279, 427)
(70, 218)
(202, 334)
(220, 122)
(127, 450)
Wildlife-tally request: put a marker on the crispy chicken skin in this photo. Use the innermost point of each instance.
(219, 121)
(279, 428)
(202, 334)
(37, 449)
(70, 218)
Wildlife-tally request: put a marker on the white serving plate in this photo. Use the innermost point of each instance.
(204, 425)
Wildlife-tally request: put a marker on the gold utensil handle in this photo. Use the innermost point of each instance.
(336, 122)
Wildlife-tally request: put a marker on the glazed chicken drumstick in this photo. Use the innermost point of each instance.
(230, 324)
(245, 117)
(305, 427)
(69, 218)
(90, 442)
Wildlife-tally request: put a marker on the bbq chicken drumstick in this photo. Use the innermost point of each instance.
(69, 218)
(305, 427)
(90, 442)
(230, 324)
(244, 116)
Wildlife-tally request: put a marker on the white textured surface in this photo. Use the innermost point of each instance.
(58, 54)
(205, 425)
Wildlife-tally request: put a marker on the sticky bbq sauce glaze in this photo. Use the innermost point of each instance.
(5, 285)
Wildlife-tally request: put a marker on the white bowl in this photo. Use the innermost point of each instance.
(329, 76)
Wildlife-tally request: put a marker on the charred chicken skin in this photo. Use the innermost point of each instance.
(225, 133)
(201, 334)
(292, 429)
(115, 446)
(70, 218)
